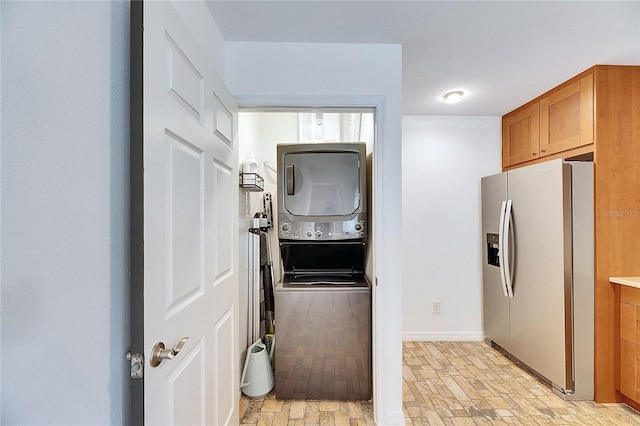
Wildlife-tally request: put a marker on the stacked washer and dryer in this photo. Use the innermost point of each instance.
(323, 303)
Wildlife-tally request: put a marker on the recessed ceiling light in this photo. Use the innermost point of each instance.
(453, 97)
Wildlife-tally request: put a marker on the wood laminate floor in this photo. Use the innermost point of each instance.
(450, 383)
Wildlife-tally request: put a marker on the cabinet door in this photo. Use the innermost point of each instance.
(520, 135)
(566, 117)
(636, 396)
(628, 369)
(628, 322)
(637, 325)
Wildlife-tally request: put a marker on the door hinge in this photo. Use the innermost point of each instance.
(137, 365)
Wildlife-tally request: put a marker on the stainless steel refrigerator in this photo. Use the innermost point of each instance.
(538, 281)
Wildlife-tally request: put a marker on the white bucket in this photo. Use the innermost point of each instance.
(257, 375)
(250, 164)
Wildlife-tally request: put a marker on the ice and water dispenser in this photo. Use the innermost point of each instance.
(493, 247)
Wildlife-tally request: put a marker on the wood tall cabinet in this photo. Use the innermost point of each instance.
(596, 113)
(617, 204)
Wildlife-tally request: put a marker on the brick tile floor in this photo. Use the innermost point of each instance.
(450, 383)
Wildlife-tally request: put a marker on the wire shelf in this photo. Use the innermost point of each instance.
(251, 182)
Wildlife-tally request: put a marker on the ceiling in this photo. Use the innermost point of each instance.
(503, 53)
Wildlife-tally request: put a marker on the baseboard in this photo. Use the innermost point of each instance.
(443, 336)
(394, 418)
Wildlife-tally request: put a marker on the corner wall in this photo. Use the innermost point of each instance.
(259, 136)
(443, 159)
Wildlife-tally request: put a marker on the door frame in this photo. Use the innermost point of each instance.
(274, 103)
(381, 269)
(136, 205)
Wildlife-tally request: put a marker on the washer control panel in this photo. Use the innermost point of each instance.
(321, 231)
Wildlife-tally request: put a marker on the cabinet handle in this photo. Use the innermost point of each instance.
(534, 154)
(542, 151)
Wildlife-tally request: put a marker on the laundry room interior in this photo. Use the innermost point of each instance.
(261, 268)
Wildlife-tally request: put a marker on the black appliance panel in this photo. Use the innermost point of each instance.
(341, 257)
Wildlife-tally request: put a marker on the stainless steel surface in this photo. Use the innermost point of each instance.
(301, 228)
(159, 353)
(323, 304)
(550, 317)
(495, 304)
(583, 280)
(338, 280)
(322, 183)
(323, 348)
(136, 365)
(323, 283)
(322, 191)
(541, 211)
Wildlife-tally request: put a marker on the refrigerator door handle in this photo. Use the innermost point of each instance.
(501, 247)
(506, 258)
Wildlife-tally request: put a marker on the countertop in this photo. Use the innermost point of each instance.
(630, 281)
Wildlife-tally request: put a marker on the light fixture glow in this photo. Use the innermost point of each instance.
(453, 97)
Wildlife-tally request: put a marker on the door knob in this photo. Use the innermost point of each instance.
(159, 352)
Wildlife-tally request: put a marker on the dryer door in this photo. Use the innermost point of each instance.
(321, 183)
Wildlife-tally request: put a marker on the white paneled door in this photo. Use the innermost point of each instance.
(190, 237)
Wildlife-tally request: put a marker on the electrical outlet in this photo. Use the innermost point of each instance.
(437, 307)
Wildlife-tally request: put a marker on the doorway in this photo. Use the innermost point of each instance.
(259, 132)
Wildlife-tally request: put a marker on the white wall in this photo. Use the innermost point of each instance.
(443, 159)
(258, 135)
(246, 208)
(299, 74)
(253, 134)
(264, 131)
(210, 35)
(64, 214)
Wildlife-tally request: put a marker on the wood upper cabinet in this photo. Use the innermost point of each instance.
(521, 135)
(566, 117)
(560, 121)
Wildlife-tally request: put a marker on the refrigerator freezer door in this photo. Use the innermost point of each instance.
(541, 306)
(495, 304)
